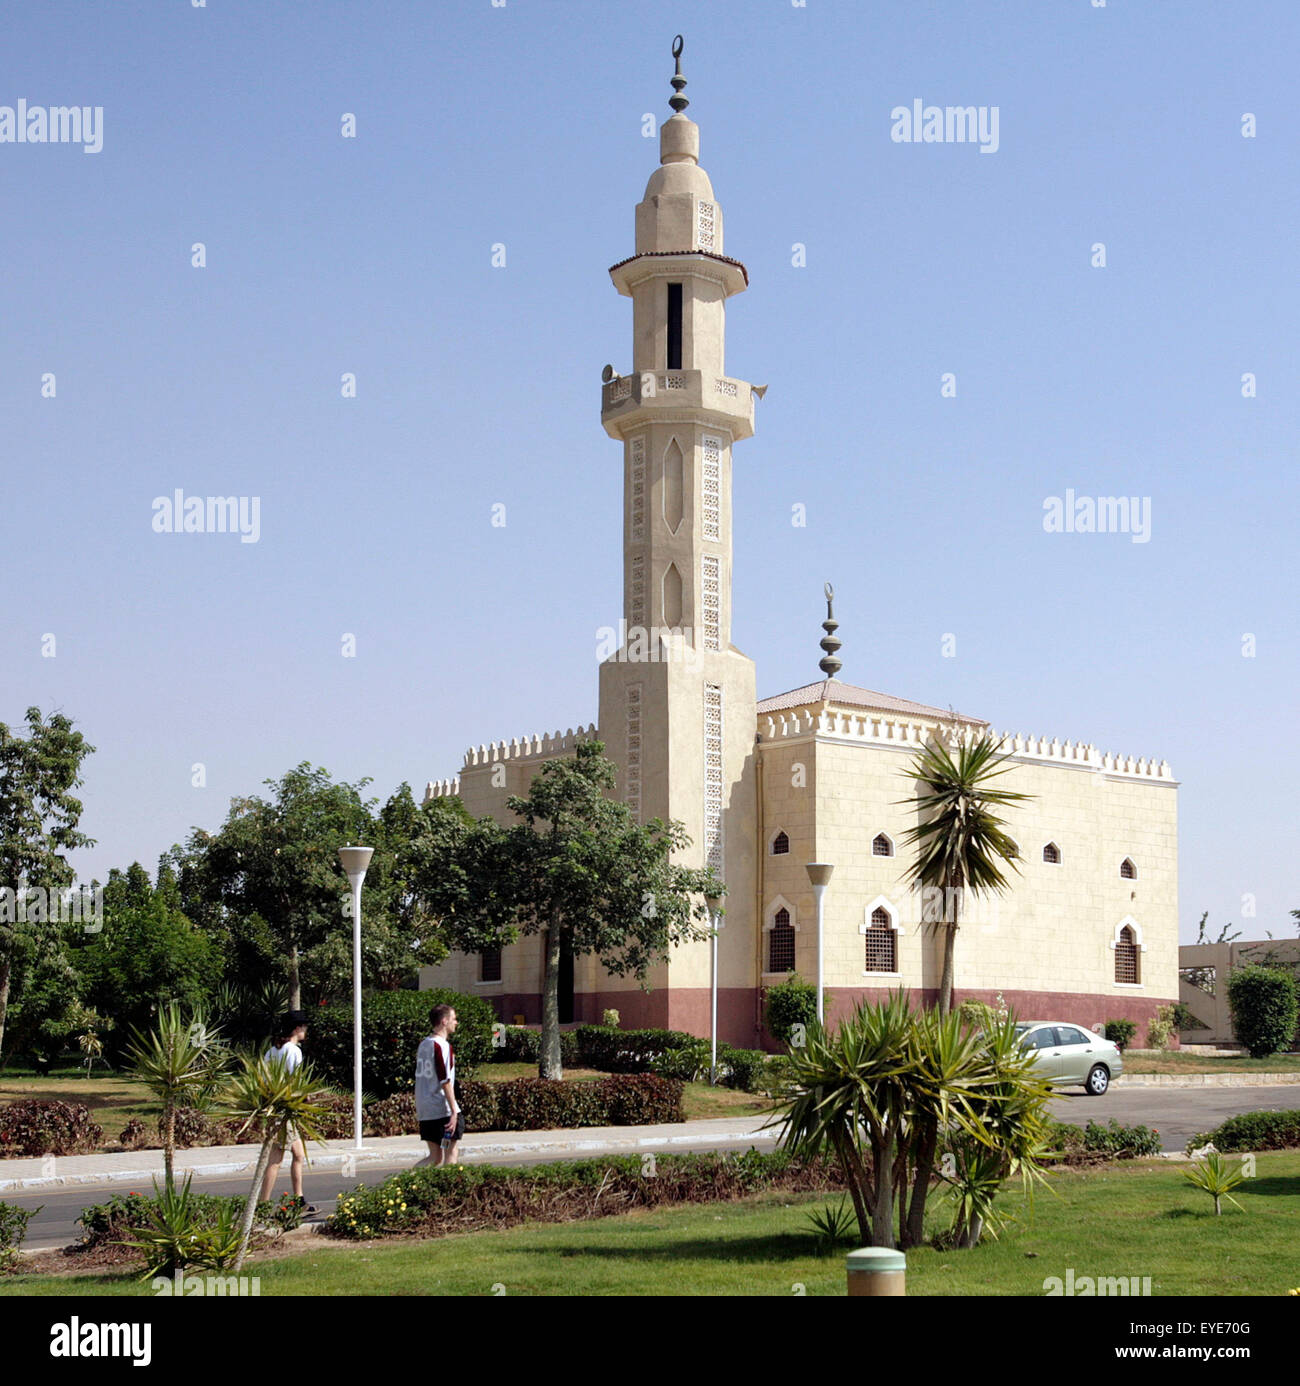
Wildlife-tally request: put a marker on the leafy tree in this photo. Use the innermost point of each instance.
(268, 886)
(276, 858)
(38, 825)
(960, 841)
(577, 869)
(148, 953)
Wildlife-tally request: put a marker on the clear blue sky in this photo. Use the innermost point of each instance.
(521, 124)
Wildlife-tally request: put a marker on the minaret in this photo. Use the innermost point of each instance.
(677, 712)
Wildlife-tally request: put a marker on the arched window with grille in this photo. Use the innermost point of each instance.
(1128, 957)
(490, 965)
(1052, 854)
(780, 845)
(881, 942)
(1127, 871)
(881, 846)
(780, 947)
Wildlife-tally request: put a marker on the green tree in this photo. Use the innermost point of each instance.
(961, 845)
(147, 953)
(276, 859)
(1263, 1004)
(577, 869)
(38, 825)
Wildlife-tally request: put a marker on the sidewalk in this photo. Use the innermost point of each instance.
(139, 1167)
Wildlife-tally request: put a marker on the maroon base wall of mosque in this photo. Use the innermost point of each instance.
(740, 1008)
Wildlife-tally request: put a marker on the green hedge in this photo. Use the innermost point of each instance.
(626, 1051)
(1252, 1131)
(1263, 1005)
(1095, 1143)
(392, 1025)
(524, 1046)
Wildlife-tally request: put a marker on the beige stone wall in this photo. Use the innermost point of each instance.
(1052, 932)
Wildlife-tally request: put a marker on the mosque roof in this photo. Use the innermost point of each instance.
(847, 694)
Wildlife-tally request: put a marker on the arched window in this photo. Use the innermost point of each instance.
(780, 948)
(881, 942)
(1052, 854)
(490, 965)
(1127, 870)
(881, 846)
(780, 845)
(1128, 957)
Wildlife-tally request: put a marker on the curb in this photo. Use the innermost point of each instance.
(1205, 1080)
(337, 1159)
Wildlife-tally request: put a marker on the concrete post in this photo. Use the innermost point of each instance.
(877, 1270)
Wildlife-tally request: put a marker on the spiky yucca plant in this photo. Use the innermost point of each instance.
(267, 1097)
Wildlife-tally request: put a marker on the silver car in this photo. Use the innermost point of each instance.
(1070, 1056)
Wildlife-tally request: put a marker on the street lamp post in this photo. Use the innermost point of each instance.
(819, 874)
(714, 902)
(355, 860)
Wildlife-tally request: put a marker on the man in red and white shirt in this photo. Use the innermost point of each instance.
(441, 1122)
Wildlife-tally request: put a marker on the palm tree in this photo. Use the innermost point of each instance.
(180, 1060)
(961, 843)
(268, 1098)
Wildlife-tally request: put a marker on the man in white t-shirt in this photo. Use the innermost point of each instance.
(292, 1029)
(441, 1123)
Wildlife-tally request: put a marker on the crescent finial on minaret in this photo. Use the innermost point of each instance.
(829, 665)
(677, 101)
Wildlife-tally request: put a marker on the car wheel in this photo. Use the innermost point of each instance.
(1098, 1080)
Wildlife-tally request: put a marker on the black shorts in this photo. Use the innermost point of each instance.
(437, 1128)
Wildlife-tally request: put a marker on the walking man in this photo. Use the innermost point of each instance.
(441, 1123)
(291, 1031)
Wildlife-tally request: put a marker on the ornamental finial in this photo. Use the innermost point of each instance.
(829, 665)
(677, 101)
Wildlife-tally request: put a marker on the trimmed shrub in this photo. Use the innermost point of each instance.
(625, 1051)
(36, 1127)
(1161, 1028)
(1120, 1032)
(13, 1230)
(639, 1099)
(744, 1067)
(611, 1018)
(392, 1025)
(395, 1116)
(1263, 1005)
(1252, 1131)
(438, 1199)
(977, 1015)
(135, 1135)
(195, 1128)
(787, 1004)
(524, 1046)
(1095, 1144)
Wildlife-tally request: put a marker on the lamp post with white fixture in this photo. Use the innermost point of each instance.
(355, 860)
(819, 874)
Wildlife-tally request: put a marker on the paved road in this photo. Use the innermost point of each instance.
(1176, 1113)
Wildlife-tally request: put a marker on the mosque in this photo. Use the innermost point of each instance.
(1089, 928)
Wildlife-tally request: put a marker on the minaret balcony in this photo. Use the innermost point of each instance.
(631, 401)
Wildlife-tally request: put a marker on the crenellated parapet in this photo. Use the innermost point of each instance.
(442, 789)
(883, 729)
(535, 747)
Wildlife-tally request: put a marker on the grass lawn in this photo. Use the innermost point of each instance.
(1176, 1062)
(1126, 1220)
